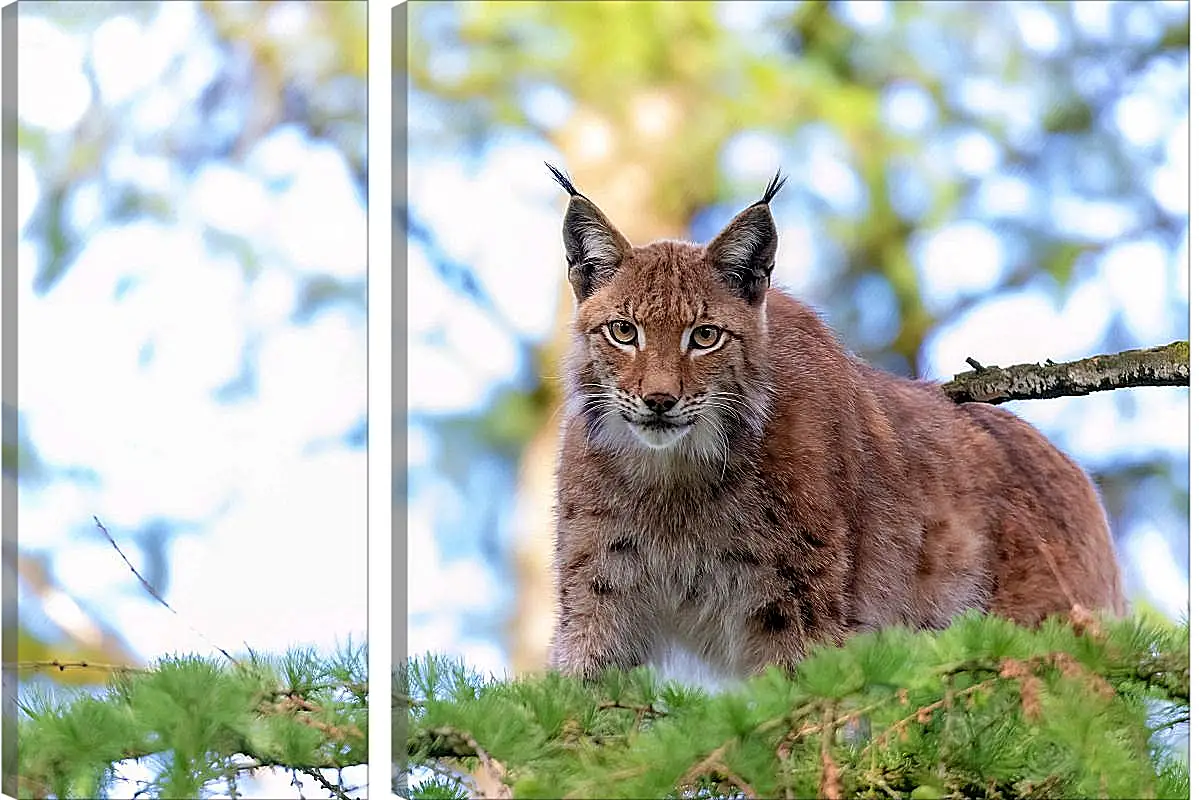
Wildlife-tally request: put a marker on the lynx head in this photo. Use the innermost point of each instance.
(669, 339)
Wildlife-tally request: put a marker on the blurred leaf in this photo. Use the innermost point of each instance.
(512, 419)
(321, 292)
(1062, 260)
(1177, 37)
(1069, 116)
(57, 241)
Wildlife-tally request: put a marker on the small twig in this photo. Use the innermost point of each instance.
(641, 712)
(924, 713)
(705, 765)
(783, 752)
(715, 759)
(1170, 723)
(629, 772)
(881, 783)
(740, 783)
(649, 711)
(977, 366)
(296, 783)
(493, 770)
(292, 704)
(154, 593)
(63, 666)
(316, 775)
(352, 687)
(817, 727)
(830, 774)
(713, 765)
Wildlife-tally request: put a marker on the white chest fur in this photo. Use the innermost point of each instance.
(676, 662)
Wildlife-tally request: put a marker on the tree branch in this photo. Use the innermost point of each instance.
(1168, 365)
(448, 742)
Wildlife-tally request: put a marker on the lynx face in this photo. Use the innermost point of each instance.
(664, 353)
(667, 336)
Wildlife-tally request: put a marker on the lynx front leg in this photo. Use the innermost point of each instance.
(601, 621)
(796, 609)
(774, 637)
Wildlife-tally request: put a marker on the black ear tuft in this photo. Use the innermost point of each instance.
(743, 253)
(776, 183)
(562, 179)
(594, 248)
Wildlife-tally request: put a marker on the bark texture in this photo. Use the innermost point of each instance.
(1168, 365)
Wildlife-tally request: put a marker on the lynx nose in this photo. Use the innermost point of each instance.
(660, 402)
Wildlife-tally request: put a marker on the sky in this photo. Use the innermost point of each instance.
(460, 354)
(183, 394)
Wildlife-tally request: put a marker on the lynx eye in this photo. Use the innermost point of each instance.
(705, 336)
(622, 331)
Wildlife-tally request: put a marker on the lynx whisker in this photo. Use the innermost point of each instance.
(732, 397)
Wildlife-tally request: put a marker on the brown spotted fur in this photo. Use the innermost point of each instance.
(840, 497)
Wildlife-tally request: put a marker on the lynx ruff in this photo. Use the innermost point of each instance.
(734, 486)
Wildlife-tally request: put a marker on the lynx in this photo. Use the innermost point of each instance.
(733, 486)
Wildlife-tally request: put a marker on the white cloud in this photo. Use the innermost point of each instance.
(1136, 277)
(1019, 327)
(285, 566)
(272, 297)
(320, 224)
(54, 92)
(439, 383)
(752, 156)
(1039, 28)
(29, 189)
(119, 75)
(230, 200)
(314, 378)
(513, 243)
(275, 156)
(959, 259)
(1165, 584)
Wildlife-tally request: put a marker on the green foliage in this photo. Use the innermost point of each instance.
(984, 708)
(440, 788)
(196, 721)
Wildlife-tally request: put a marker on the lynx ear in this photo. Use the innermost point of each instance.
(594, 248)
(743, 253)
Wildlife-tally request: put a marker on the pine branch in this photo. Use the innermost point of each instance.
(984, 708)
(439, 743)
(1168, 365)
(298, 712)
